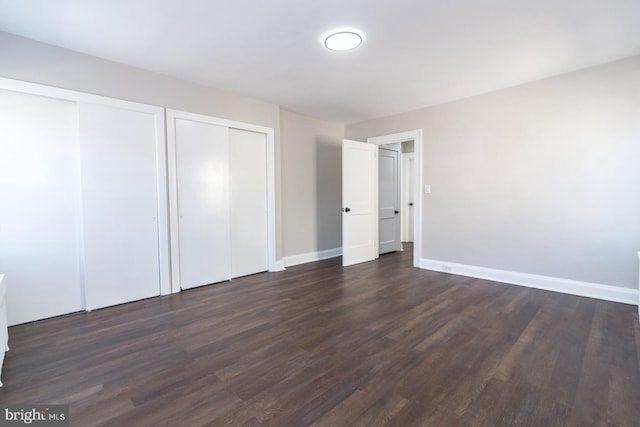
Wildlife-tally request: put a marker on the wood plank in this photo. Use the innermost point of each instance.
(375, 344)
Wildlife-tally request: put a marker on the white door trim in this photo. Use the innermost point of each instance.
(416, 136)
(172, 115)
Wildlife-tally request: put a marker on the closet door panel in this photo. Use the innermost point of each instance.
(248, 167)
(119, 164)
(202, 175)
(39, 206)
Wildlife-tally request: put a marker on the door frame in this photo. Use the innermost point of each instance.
(416, 137)
(172, 116)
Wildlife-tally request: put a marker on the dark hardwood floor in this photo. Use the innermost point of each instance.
(374, 344)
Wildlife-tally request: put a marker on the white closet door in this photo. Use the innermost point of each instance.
(248, 166)
(202, 174)
(120, 204)
(39, 206)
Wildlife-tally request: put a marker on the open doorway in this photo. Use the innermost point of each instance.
(389, 194)
(407, 194)
(395, 196)
(408, 147)
(360, 192)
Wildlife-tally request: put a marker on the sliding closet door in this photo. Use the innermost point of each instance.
(119, 157)
(202, 175)
(39, 206)
(248, 166)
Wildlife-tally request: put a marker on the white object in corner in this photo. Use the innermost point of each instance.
(4, 331)
(573, 287)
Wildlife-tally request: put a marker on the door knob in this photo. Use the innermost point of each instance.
(411, 204)
(346, 210)
(396, 212)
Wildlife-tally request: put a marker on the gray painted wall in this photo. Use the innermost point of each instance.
(542, 178)
(311, 183)
(408, 146)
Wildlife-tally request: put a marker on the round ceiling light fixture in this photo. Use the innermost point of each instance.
(343, 40)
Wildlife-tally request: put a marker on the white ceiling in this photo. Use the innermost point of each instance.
(416, 52)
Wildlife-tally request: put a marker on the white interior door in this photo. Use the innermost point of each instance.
(389, 199)
(248, 174)
(119, 157)
(40, 221)
(408, 204)
(359, 202)
(202, 175)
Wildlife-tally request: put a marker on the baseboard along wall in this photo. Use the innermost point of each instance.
(566, 286)
(311, 256)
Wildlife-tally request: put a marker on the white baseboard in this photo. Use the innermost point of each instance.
(566, 286)
(279, 266)
(311, 256)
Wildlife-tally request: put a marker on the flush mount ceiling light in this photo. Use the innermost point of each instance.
(342, 40)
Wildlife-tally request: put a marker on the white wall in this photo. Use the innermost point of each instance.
(25, 59)
(28, 60)
(311, 184)
(542, 178)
